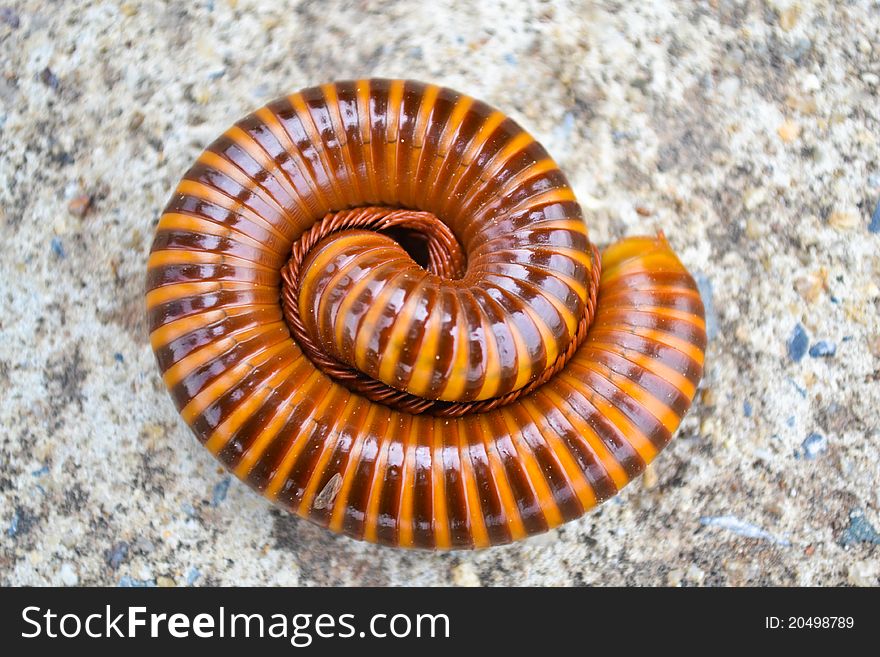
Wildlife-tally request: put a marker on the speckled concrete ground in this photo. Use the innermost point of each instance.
(747, 131)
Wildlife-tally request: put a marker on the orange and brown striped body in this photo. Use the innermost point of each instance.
(241, 365)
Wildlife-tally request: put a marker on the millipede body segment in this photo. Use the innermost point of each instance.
(376, 303)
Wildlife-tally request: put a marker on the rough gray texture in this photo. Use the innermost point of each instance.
(747, 131)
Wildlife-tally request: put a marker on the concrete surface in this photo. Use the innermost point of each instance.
(747, 131)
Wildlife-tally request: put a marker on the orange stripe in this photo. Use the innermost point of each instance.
(537, 480)
(279, 477)
(284, 410)
(371, 515)
(478, 530)
(222, 200)
(308, 123)
(281, 134)
(245, 409)
(502, 485)
(634, 436)
(591, 439)
(328, 446)
(352, 465)
(442, 538)
(575, 476)
(407, 481)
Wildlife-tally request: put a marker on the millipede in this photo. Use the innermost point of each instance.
(377, 304)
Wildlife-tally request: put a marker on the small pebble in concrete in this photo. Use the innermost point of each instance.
(874, 226)
(743, 528)
(129, 582)
(9, 17)
(464, 574)
(192, 576)
(704, 285)
(143, 545)
(57, 247)
(80, 205)
(13, 525)
(68, 575)
(798, 343)
(823, 349)
(49, 78)
(220, 491)
(117, 554)
(747, 408)
(789, 131)
(564, 130)
(864, 573)
(859, 530)
(800, 389)
(814, 445)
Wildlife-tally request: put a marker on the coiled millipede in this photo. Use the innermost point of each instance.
(376, 303)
